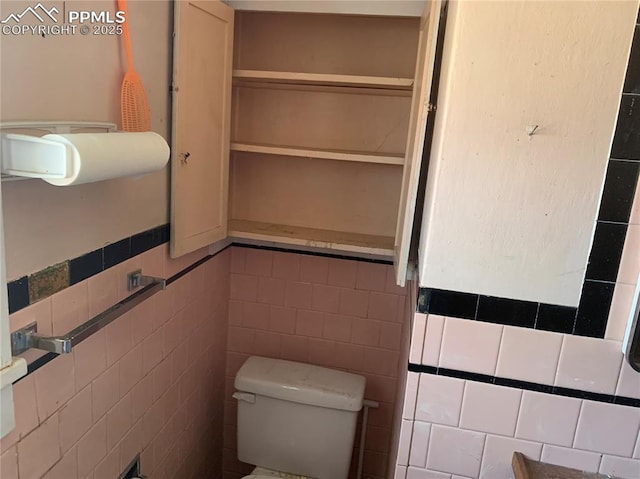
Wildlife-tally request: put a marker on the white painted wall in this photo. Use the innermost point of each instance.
(507, 214)
(78, 77)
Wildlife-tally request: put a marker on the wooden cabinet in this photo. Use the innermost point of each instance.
(323, 108)
(202, 63)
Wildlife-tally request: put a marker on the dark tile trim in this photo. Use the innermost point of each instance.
(455, 373)
(559, 319)
(448, 303)
(38, 363)
(593, 310)
(116, 253)
(624, 401)
(626, 139)
(84, 266)
(489, 309)
(18, 294)
(99, 260)
(188, 269)
(507, 311)
(528, 386)
(606, 251)
(422, 368)
(619, 190)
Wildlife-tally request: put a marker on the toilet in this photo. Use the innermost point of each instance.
(296, 420)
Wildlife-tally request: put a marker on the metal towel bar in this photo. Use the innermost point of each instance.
(28, 337)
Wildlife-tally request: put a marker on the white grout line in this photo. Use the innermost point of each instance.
(575, 434)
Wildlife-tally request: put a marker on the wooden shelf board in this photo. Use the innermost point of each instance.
(312, 237)
(325, 79)
(385, 159)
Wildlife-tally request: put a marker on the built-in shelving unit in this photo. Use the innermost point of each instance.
(320, 120)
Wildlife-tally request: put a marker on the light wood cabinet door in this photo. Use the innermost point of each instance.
(429, 25)
(202, 70)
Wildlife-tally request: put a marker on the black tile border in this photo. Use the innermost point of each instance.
(85, 266)
(525, 385)
(588, 319)
(606, 251)
(97, 261)
(626, 139)
(448, 303)
(490, 309)
(18, 294)
(92, 263)
(507, 311)
(559, 319)
(594, 307)
(116, 253)
(190, 268)
(619, 190)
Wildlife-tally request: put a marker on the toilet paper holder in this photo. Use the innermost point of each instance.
(36, 129)
(73, 153)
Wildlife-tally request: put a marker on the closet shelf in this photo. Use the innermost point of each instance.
(381, 158)
(318, 238)
(323, 79)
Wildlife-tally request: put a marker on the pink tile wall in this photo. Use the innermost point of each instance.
(151, 382)
(335, 313)
(541, 357)
(475, 434)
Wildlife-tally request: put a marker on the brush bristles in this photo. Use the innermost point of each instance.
(135, 108)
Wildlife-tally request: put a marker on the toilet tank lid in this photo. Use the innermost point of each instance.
(301, 383)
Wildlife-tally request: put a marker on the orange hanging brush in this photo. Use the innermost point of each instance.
(133, 99)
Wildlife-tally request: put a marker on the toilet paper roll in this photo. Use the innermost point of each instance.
(101, 156)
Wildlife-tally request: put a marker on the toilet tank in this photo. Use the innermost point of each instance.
(297, 418)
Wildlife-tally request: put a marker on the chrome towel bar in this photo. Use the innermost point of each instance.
(28, 337)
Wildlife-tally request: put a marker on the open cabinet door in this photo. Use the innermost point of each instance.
(429, 25)
(202, 68)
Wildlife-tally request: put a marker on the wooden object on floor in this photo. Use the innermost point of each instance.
(524, 468)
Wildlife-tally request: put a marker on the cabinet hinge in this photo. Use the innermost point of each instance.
(431, 107)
